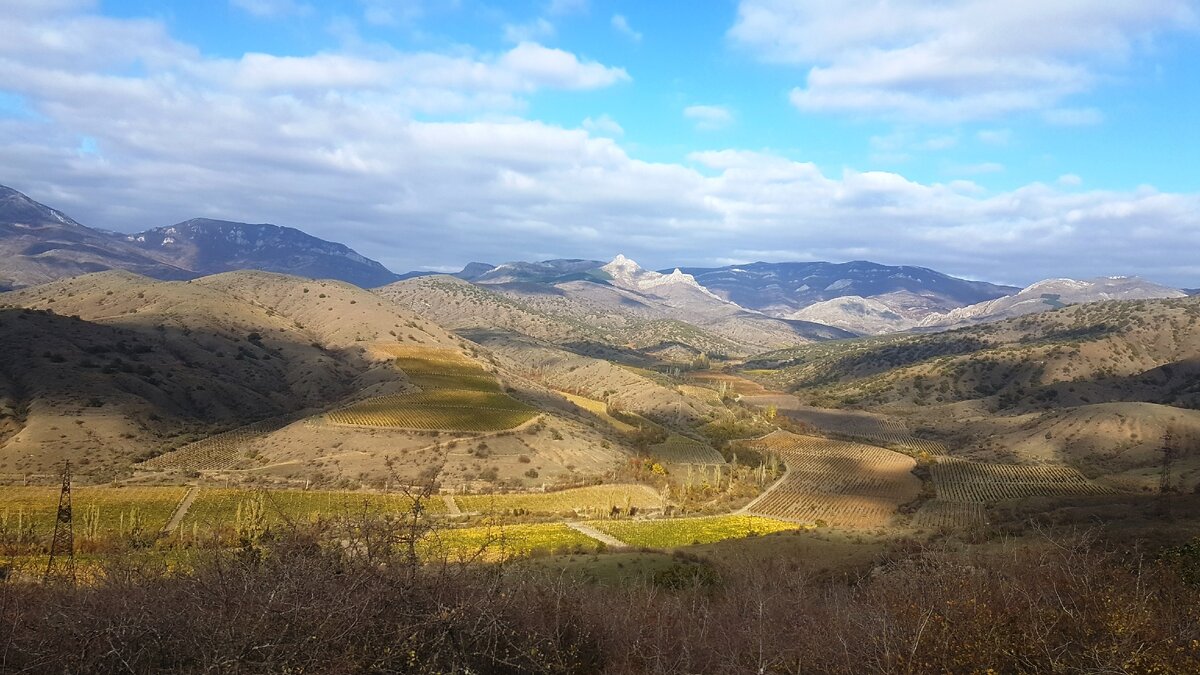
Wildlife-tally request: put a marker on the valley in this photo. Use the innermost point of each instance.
(620, 426)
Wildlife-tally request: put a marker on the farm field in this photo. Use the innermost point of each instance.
(114, 509)
(736, 384)
(937, 514)
(215, 508)
(959, 480)
(679, 449)
(456, 395)
(220, 451)
(841, 483)
(440, 410)
(499, 542)
(431, 368)
(678, 532)
(585, 499)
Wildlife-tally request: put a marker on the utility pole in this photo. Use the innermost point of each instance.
(61, 566)
(1164, 477)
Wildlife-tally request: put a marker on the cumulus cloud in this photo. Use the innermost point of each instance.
(621, 25)
(953, 60)
(340, 152)
(709, 117)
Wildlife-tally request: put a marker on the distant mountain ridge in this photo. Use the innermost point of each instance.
(208, 246)
(1052, 294)
(781, 289)
(39, 244)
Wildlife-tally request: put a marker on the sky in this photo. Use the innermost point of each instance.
(1009, 141)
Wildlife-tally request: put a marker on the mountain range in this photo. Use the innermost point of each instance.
(41, 244)
(732, 309)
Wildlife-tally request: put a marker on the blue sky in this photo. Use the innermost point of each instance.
(1010, 141)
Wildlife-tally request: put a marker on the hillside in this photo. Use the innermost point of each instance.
(1051, 294)
(1096, 385)
(110, 369)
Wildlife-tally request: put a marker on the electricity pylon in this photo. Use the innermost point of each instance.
(61, 566)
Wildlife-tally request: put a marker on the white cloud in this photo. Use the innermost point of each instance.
(603, 126)
(271, 8)
(538, 29)
(185, 135)
(709, 117)
(1069, 180)
(621, 25)
(558, 68)
(952, 60)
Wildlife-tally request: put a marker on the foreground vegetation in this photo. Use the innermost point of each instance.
(348, 597)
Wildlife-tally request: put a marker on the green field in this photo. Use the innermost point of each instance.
(678, 532)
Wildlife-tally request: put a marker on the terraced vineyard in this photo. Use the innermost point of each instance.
(679, 449)
(456, 395)
(221, 451)
(584, 499)
(959, 480)
(500, 542)
(442, 410)
(841, 483)
(937, 514)
(677, 532)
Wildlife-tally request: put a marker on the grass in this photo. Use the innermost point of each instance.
(218, 507)
(112, 508)
(677, 532)
(602, 497)
(498, 542)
